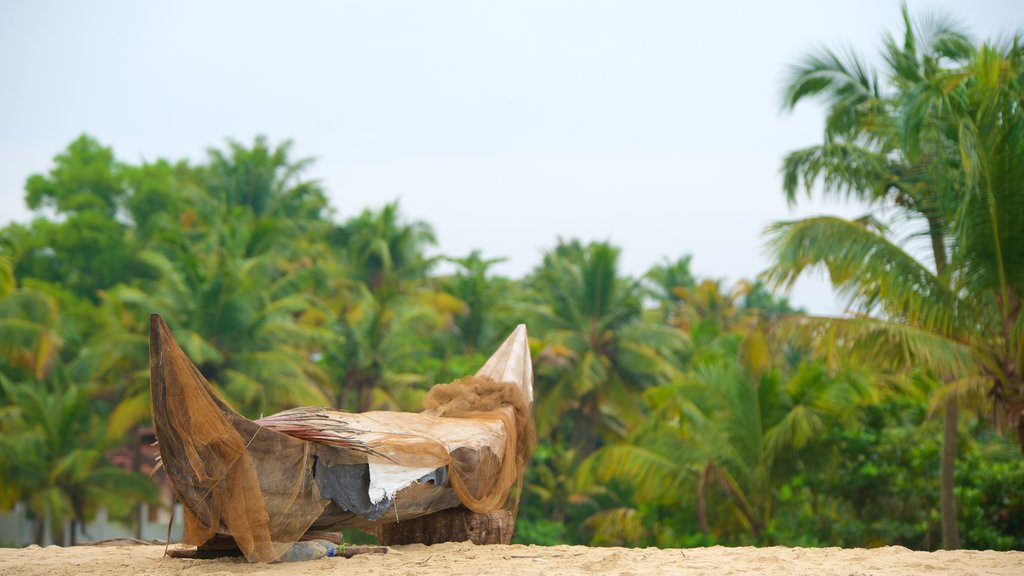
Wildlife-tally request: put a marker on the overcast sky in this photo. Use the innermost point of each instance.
(655, 125)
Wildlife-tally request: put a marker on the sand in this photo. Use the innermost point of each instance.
(465, 558)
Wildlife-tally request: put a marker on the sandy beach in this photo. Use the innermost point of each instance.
(471, 560)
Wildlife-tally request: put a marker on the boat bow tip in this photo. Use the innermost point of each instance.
(511, 362)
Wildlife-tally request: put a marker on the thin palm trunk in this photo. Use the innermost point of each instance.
(713, 473)
(947, 467)
(586, 425)
(40, 530)
(136, 468)
(950, 529)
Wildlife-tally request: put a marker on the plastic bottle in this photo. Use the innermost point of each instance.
(309, 550)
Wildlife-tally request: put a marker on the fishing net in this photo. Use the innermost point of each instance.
(483, 481)
(257, 481)
(231, 476)
(480, 430)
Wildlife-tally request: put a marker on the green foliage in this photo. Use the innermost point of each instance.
(724, 438)
(86, 188)
(939, 146)
(991, 504)
(387, 310)
(672, 409)
(29, 339)
(262, 180)
(598, 354)
(484, 298)
(84, 180)
(885, 493)
(52, 453)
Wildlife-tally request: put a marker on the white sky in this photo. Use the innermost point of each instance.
(655, 125)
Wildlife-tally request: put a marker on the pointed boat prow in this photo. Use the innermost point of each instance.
(511, 362)
(261, 493)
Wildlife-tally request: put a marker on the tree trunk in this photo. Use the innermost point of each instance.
(950, 530)
(137, 468)
(585, 426)
(451, 525)
(39, 527)
(947, 484)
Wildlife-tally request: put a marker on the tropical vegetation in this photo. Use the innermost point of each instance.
(673, 409)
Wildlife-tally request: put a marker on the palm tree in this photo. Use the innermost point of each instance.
(598, 353)
(724, 429)
(669, 283)
(743, 417)
(52, 439)
(383, 345)
(263, 180)
(251, 323)
(382, 252)
(239, 274)
(553, 491)
(483, 296)
(982, 103)
(915, 150)
(29, 339)
(386, 312)
(52, 445)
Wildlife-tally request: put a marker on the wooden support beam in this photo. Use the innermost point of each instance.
(451, 525)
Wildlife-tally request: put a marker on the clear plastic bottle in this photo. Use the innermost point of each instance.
(309, 550)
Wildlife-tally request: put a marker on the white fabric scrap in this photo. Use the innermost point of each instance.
(387, 479)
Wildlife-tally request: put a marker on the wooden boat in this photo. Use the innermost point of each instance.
(452, 472)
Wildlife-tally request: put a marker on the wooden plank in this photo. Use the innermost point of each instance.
(451, 525)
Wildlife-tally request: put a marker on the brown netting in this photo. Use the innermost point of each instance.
(480, 429)
(253, 481)
(231, 475)
(483, 481)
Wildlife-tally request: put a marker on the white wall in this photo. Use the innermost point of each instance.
(17, 529)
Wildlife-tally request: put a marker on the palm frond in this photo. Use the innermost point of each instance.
(617, 527)
(888, 346)
(969, 392)
(867, 270)
(846, 170)
(656, 477)
(836, 77)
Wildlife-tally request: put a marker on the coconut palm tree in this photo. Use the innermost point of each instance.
(29, 338)
(669, 283)
(264, 180)
(52, 445)
(741, 419)
(598, 353)
(483, 297)
(728, 439)
(382, 251)
(913, 151)
(238, 272)
(252, 323)
(386, 312)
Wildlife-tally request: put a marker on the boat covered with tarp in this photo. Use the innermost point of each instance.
(266, 484)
